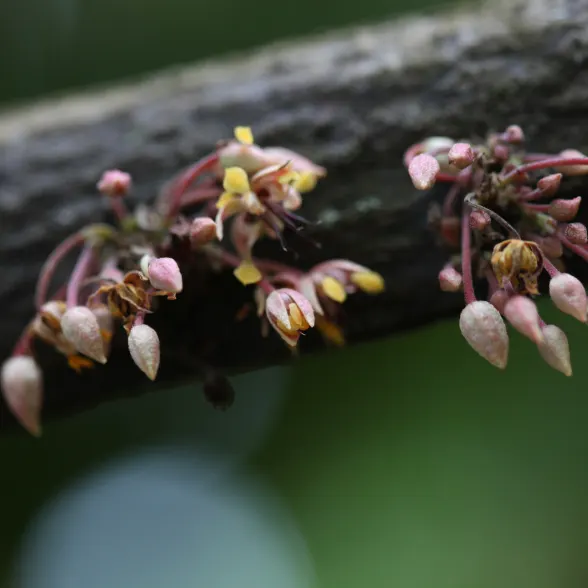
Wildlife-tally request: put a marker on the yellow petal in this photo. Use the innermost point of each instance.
(331, 332)
(370, 282)
(334, 289)
(244, 135)
(236, 180)
(224, 199)
(247, 273)
(288, 177)
(305, 182)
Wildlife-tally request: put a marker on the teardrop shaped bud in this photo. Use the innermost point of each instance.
(461, 155)
(569, 295)
(549, 185)
(423, 170)
(555, 349)
(81, 328)
(514, 134)
(479, 220)
(145, 349)
(521, 312)
(202, 231)
(576, 233)
(164, 275)
(22, 386)
(114, 183)
(483, 328)
(450, 280)
(564, 210)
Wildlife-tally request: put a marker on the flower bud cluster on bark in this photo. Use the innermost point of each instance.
(503, 223)
(237, 195)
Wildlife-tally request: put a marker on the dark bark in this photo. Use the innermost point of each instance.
(351, 101)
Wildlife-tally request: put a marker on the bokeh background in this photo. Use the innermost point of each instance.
(406, 462)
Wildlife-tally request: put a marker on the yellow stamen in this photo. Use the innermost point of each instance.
(305, 182)
(224, 199)
(297, 318)
(288, 177)
(370, 282)
(334, 289)
(236, 180)
(244, 135)
(247, 273)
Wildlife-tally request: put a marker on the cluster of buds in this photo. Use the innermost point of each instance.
(124, 270)
(502, 216)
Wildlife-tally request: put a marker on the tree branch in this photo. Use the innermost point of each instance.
(352, 101)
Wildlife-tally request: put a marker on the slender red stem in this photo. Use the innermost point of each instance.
(78, 275)
(544, 163)
(536, 207)
(450, 199)
(466, 256)
(139, 318)
(173, 194)
(51, 264)
(577, 249)
(24, 344)
(118, 208)
(199, 196)
(550, 268)
(532, 195)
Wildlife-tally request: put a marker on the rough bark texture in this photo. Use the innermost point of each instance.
(352, 101)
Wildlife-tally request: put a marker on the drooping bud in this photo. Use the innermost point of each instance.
(202, 231)
(145, 349)
(22, 386)
(461, 155)
(572, 170)
(114, 183)
(80, 327)
(483, 328)
(479, 220)
(555, 350)
(423, 170)
(164, 274)
(564, 210)
(499, 299)
(549, 185)
(569, 295)
(289, 313)
(450, 279)
(576, 233)
(521, 312)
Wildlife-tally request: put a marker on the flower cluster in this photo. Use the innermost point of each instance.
(502, 213)
(123, 271)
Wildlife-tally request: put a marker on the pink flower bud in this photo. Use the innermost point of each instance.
(144, 349)
(114, 183)
(549, 185)
(423, 170)
(569, 295)
(479, 220)
(436, 144)
(576, 233)
(202, 231)
(555, 350)
(499, 299)
(564, 210)
(501, 152)
(22, 386)
(164, 275)
(521, 312)
(461, 155)
(80, 327)
(289, 313)
(483, 328)
(450, 279)
(572, 170)
(514, 134)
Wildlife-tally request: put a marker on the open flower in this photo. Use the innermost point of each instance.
(289, 313)
(337, 278)
(518, 262)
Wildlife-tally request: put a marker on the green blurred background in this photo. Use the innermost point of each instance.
(407, 462)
